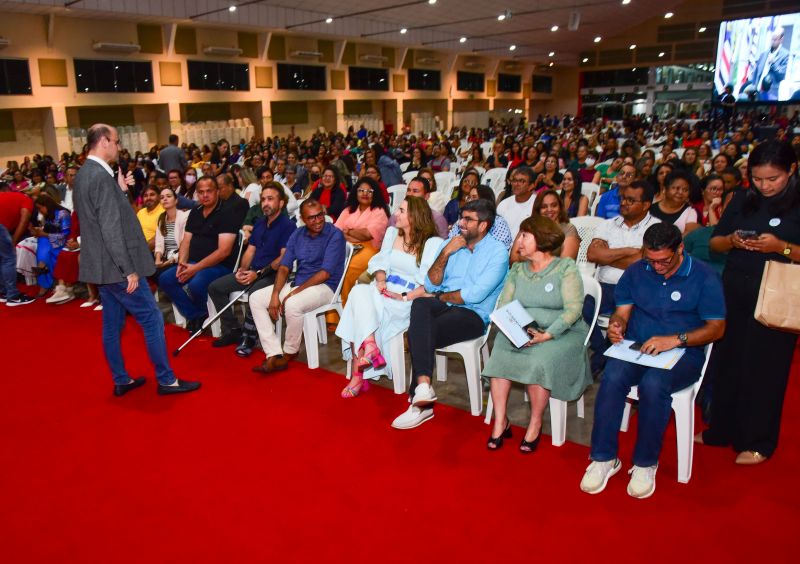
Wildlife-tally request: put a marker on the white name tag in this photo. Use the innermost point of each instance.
(548, 287)
(775, 222)
(675, 296)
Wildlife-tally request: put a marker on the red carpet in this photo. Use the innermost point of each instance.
(254, 468)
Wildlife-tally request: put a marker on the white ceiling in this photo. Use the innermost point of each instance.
(438, 26)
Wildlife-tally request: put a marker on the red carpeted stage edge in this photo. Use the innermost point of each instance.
(279, 468)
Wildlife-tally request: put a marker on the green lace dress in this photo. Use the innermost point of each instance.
(554, 298)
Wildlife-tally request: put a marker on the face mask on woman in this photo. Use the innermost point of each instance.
(314, 176)
(189, 179)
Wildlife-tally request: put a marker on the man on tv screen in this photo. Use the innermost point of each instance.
(770, 69)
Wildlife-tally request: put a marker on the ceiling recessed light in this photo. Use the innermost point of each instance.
(431, 2)
(404, 31)
(633, 69)
(328, 20)
(551, 54)
(626, 2)
(462, 40)
(661, 54)
(632, 47)
(501, 17)
(232, 8)
(598, 39)
(551, 64)
(554, 28)
(702, 29)
(668, 15)
(512, 48)
(585, 60)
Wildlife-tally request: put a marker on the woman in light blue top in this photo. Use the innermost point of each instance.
(377, 312)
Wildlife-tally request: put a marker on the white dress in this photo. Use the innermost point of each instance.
(367, 311)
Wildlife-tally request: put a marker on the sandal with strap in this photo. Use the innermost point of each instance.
(348, 392)
(750, 457)
(371, 356)
(496, 443)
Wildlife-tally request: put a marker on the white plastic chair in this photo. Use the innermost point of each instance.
(444, 180)
(409, 176)
(683, 406)
(495, 178)
(472, 352)
(590, 190)
(397, 359)
(558, 408)
(486, 147)
(586, 226)
(404, 166)
(593, 206)
(396, 194)
(314, 329)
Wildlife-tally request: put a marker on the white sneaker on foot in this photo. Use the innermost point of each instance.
(597, 474)
(643, 481)
(58, 295)
(412, 417)
(66, 296)
(423, 395)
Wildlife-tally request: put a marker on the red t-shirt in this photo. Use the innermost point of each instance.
(10, 205)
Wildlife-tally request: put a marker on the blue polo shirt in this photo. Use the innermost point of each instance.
(323, 252)
(678, 304)
(479, 274)
(608, 206)
(269, 239)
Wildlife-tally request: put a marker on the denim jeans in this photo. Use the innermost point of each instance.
(656, 387)
(8, 265)
(46, 253)
(142, 306)
(191, 298)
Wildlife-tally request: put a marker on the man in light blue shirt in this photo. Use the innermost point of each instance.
(465, 281)
(608, 206)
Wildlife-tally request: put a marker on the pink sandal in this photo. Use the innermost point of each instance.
(348, 392)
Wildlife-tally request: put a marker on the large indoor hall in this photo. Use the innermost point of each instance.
(391, 280)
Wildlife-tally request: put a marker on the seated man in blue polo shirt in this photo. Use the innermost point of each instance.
(465, 281)
(608, 206)
(265, 249)
(319, 249)
(664, 301)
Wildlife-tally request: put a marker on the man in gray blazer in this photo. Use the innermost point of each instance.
(172, 157)
(114, 255)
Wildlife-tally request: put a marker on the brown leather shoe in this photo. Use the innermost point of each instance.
(289, 357)
(272, 364)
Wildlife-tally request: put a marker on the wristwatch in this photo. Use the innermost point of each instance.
(788, 250)
(438, 295)
(405, 296)
(683, 338)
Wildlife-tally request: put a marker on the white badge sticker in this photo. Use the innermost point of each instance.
(675, 296)
(548, 287)
(775, 222)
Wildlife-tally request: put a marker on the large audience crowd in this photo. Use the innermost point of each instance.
(424, 236)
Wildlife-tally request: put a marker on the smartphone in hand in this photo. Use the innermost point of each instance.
(747, 234)
(637, 346)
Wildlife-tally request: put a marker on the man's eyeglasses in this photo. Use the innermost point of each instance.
(627, 200)
(625, 174)
(468, 219)
(662, 262)
(315, 217)
(113, 141)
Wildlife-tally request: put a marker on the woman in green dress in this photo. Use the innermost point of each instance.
(554, 362)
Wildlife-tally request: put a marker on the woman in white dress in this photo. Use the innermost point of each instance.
(377, 312)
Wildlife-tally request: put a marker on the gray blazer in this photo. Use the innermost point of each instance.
(112, 242)
(172, 157)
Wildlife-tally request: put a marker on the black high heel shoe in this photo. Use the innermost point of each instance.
(497, 443)
(528, 447)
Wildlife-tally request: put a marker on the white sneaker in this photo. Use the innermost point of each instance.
(412, 417)
(423, 395)
(89, 303)
(643, 481)
(66, 296)
(58, 295)
(99, 308)
(597, 474)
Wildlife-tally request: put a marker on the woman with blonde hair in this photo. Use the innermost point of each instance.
(378, 312)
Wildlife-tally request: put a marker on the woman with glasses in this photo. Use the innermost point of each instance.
(752, 361)
(709, 208)
(469, 180)
(554, 361)
(330, 192)
(377, 312)
(363, 222)
(675, 207)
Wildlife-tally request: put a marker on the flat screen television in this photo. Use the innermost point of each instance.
(759, 59)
